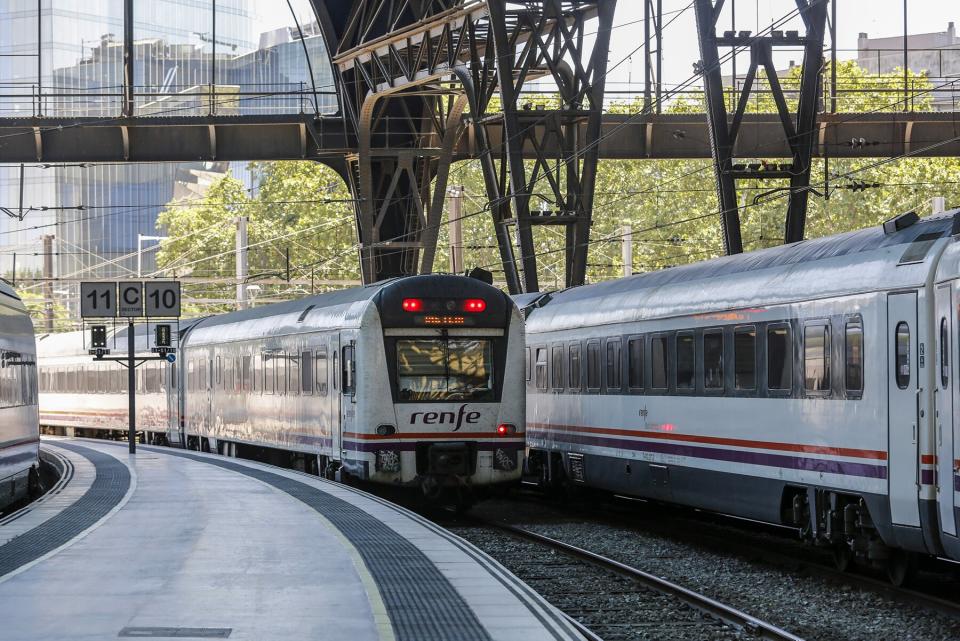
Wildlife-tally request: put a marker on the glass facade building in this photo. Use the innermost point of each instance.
(63, 58)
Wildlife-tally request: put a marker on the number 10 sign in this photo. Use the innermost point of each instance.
(152, 299)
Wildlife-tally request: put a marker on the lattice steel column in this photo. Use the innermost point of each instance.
(799, 130)
(546, 39)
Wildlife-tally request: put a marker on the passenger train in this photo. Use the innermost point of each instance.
(19, 423)
(814, 385)
(414, 381)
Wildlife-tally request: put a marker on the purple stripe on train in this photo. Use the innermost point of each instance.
(926, 477)
(717, 454)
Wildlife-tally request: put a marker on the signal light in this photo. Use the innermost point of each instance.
(474, 305)
(506, 429)
(413, 304)
(98, 336)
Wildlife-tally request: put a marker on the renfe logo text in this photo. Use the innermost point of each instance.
(446, 418)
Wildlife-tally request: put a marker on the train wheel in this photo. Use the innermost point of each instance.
(901, 567)
(842, 556)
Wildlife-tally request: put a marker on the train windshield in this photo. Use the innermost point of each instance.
(454, 369)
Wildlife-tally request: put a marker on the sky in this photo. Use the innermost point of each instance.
(878, 18)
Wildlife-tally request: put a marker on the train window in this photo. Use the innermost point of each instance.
(853, 358)
(282, 370)
(151, 378)
(593, 365)
(334, 367)
(614, 364)
(816, 358)
(779, 357)
(902, 338)
(944, 354)
(306, 372)
(573, 369)
(556, 367)
(658, 362)
(349, 386)
(540, 368)
(526, 361)
(635, 363)
(686, 358)
(322, 372)
(269, 373)
(745, 358)
(246, 365)
(451, 369)
(713, 359)
(293, 370)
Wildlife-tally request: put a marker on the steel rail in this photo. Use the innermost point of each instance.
(711, 607)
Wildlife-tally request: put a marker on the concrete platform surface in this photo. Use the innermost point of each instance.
(174, 544)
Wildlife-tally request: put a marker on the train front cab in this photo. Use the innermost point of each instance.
(942, 467)
(453, 349)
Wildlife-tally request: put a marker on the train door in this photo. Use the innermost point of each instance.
(348, 399)
(946, 400)
(904, 389)
(336, 429)
(174, 383)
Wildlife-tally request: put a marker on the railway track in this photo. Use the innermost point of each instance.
(728, 615)
(610, 600)
(789, 585)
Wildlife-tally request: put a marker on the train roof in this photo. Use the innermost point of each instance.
(858, 261)
(342, 308)
(75, 343)
(6, 290)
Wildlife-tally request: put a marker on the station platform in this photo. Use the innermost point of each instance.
(174, 544)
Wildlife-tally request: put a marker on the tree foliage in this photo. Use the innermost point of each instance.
(300, 231)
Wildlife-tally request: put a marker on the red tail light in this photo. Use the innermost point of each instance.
(506, 429)
(474, 305)
(413, 304)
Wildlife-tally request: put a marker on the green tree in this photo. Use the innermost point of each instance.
(300, 233)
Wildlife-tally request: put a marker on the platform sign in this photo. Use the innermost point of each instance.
(98, 300)
(130, 300)
(163, 299)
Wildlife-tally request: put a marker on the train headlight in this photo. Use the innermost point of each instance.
(506, 429)
(386, 430)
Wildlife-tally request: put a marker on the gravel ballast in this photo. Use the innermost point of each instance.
(801, 603)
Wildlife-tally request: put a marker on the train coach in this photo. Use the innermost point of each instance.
(813, 385)
(19, 423)
(415, 381)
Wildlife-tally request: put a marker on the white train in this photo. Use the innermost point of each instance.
(814, 385)
(410, 382)
(19, 424)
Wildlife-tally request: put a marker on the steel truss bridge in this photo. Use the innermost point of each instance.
(425, 83)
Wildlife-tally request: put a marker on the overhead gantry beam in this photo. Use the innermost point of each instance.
(622, 137)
